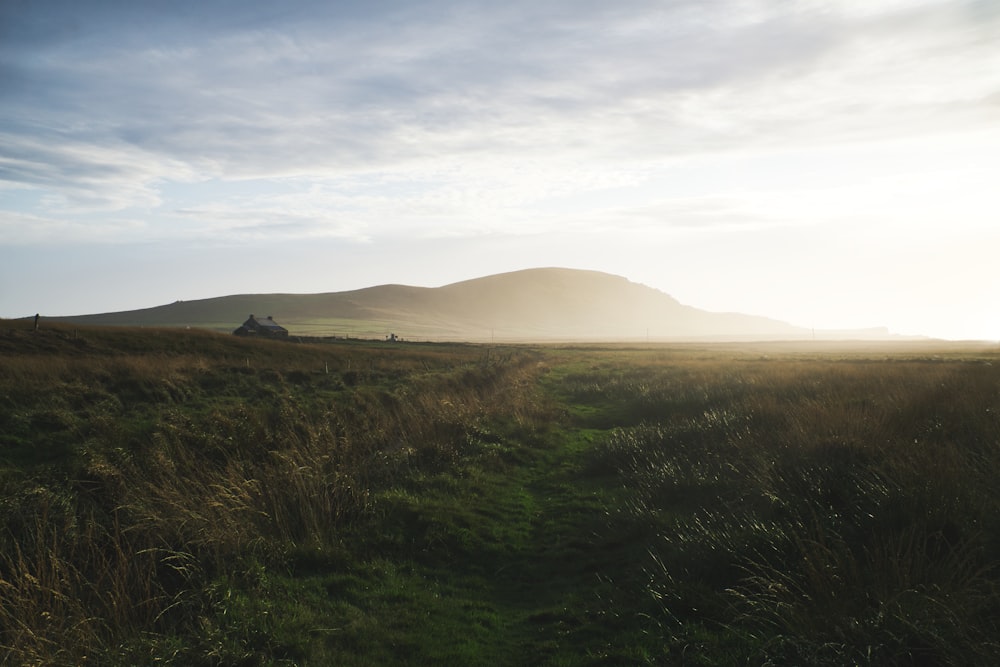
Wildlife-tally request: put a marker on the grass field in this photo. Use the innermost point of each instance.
(188, 498)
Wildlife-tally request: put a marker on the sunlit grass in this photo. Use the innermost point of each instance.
(840, 511)
(190, 498)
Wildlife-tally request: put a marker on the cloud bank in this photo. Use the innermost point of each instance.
(448, 109)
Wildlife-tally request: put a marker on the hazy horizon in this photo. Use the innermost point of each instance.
(827, 164)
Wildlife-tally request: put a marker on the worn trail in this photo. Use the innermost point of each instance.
(505, 561)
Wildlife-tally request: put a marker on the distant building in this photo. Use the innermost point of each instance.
(261, 327)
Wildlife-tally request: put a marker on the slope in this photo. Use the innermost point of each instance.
(533, 304)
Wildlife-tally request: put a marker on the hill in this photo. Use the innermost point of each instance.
(533, 304)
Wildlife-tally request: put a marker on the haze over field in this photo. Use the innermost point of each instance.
(828, 164)
(529, 305)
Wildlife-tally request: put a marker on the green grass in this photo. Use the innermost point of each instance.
(499, 560)
(175, 497)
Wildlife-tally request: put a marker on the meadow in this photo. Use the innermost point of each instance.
(181, 497)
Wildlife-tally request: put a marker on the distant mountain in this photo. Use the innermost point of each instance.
(534, 304)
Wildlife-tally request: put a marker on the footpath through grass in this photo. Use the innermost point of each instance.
(504, 559)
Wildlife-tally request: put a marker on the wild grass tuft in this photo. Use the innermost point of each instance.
(838, 513)
(141, 469)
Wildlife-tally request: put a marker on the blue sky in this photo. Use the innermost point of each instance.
(832, 164)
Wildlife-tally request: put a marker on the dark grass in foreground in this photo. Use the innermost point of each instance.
(187, 498)
(833, 510)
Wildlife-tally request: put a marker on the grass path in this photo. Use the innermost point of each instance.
(502, 561)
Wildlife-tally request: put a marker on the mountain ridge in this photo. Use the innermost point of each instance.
(540, 304)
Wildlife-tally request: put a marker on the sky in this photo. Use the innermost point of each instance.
(831, 164)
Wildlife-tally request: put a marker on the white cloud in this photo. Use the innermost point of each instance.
(21, 229)
(312, 100)
(86, 174)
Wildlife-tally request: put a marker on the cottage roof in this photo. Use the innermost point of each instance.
(263, 325)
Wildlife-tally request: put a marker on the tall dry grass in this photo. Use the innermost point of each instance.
(72, 584)
(836, 511)
(134, 480)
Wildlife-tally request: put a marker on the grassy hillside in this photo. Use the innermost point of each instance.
(181, 497)
(537, 304)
